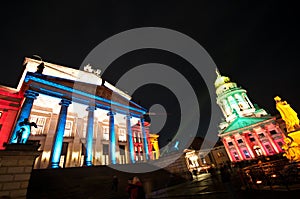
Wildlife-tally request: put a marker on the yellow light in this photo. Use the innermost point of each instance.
(258, 182)
(273, 176)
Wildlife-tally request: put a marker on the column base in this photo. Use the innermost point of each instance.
(88, 164)
(54, 165)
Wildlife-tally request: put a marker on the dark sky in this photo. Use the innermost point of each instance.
(255, 43)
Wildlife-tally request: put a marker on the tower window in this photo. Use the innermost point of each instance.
(252, 139)
(273, 132)
(230, 143)
(240, 141)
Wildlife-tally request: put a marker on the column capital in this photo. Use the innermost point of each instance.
(91, 108)
(65, 102)
(111, 113)
(31, 94)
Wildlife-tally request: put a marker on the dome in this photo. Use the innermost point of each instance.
(221, 79)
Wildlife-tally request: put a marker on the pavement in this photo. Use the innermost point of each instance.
(206, 187)
(95, 182)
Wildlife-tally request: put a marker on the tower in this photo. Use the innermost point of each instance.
(247, 130)
(233, 100)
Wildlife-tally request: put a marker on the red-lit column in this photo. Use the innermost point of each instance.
(228, 150)
(247, 142)
(259, 142)
(238, 148)
(274, 145)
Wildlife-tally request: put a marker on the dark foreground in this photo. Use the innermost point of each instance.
(95, 182)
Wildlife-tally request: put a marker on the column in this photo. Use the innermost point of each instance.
(228, 150)
(130, 139)
(273, 144)
(30, 96)
(112, 138)
(241, 154)
(247, 143)
(259, 142)
(89, 136)
(59, 133)
(145, 141)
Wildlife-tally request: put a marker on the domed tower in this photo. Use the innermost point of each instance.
(233, 100)
(247, 131)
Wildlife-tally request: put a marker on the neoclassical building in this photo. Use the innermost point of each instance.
(78, 118)
(247, 130)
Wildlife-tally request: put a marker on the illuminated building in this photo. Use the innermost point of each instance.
(10, 102)
(81, 119)
(247, 131)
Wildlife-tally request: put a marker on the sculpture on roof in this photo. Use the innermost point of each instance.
(288, 114)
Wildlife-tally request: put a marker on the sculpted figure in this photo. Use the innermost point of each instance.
(287, 114)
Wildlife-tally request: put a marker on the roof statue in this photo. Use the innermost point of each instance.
(288, 114)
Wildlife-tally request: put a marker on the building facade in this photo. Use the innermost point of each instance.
(78, 118)
(247, 131)
(10, 102)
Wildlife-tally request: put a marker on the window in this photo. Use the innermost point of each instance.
(122, 149)
(220, 154)
(252, 139)
(68, 129)
(137, 137)
(273, 132)
(0, 114)
(269, 148)
(280, 144)
(122, 135)
(261, 135)
(105, 133)
(105, 149)
(40, 122)
(246, 153)
(240, 141)
(235, 156)
(230, 144)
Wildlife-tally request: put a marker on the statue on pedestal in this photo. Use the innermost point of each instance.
(287, 114)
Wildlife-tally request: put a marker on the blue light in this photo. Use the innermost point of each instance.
(130, 139)
(112, 138)
(72, 90)
(59, 135)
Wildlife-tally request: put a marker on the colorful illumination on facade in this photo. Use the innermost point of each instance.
(74, 126)
(248, 131)
(292, 141)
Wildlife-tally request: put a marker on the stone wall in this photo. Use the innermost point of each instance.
(16, 163)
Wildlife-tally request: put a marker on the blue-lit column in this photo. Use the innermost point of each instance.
(145, 139)
(89, 136)
(59, 134)
(30, 96)
(130, 139)
(112, 138)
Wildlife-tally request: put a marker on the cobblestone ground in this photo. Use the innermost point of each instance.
(206, 187)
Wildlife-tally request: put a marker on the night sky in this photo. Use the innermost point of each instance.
(255, 43)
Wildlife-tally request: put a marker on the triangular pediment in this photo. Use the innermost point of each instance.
(242, 122)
